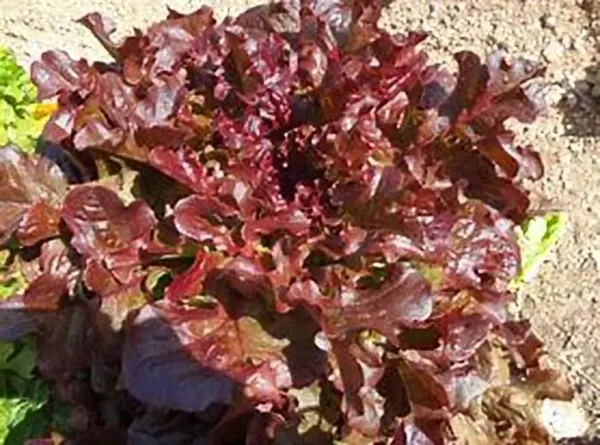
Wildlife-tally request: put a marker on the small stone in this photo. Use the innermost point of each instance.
(563, 420)
(596, 91)
(566, 42)
(553, 51)
(514, 307)
(553, 94)
(548, 21)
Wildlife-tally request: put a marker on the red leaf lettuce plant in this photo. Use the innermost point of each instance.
(287, 227)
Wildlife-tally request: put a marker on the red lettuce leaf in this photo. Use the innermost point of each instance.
(190, 283)
(49, 278)
(183, 166)
(106, 230)
(31, 189)
(58, 74)
(225, 342)
(203, 219)
(404, 299)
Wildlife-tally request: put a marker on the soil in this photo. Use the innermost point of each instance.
(563, 300)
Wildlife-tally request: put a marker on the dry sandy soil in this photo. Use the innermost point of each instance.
(563, 301)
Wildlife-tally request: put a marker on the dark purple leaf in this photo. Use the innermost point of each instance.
(15, 319)
(217, 351)
(472, 83)
(505, 76)
(64, 343)
(60, 125)
(162, 427)
(464, 334)
(158, 370)
(118, 302)
(162, 101)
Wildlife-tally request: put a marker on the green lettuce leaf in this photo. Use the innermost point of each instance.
(12, 280)
(15, 86)
(536, 237)
(23, 398)
(21, 118)
(21, 359)
(22, 416)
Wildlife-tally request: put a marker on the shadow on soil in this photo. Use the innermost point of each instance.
(581, 107)
(588, 441)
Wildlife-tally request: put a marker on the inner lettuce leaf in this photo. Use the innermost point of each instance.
(536, 238)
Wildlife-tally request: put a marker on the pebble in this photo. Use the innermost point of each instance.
(553, 52)
(553, 94)
(596, 91)
(563, 420)
(548, 21)
(566, 42)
